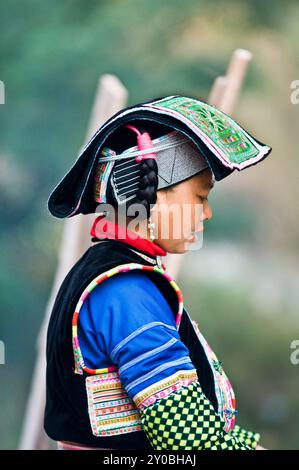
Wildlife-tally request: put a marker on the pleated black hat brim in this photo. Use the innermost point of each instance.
(74, 193)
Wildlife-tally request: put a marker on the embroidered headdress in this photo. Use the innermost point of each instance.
(183, 136)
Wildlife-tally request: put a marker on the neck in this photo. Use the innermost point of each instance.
(138, 237)
(139, 228)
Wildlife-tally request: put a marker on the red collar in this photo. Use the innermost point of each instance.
(106, 229)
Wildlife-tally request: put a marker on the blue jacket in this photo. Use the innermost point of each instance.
(136, 331)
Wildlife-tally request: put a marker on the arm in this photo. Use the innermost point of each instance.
(140, 337)
(246, 437)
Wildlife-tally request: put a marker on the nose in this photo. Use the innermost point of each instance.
(207, 211)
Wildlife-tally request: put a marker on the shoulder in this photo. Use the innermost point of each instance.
(128, 286)
(124, 304)
(128, 295)
(134, 279)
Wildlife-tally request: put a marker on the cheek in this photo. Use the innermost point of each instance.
(198, 214)
(172, 226)
(192, 216)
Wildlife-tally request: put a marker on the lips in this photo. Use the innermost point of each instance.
(193, 237)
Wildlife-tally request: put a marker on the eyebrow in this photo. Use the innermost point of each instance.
(210, 185)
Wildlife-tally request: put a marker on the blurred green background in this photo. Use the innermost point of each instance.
(242, 286)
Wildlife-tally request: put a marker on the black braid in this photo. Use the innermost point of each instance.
(148, 183)
(147, 193)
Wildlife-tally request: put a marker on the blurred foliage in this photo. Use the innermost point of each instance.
(51, 56)
(255, 351)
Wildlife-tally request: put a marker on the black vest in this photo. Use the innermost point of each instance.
(66, 412)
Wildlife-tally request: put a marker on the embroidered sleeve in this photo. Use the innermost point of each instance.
(127, 321)
(246, 437)
(143, 340)
(136, 328)
(187, 420)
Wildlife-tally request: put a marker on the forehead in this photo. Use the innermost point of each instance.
(204, 180)
(209, 184)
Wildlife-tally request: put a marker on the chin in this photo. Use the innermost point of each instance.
(178, 249)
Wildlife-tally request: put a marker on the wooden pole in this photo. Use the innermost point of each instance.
(111, 96)
(224, 94)
(217, 91)
(235, 76)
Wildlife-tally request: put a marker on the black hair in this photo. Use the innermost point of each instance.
(124, 138)
(147, 193)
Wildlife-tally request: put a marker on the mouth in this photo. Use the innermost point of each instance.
(193, 237)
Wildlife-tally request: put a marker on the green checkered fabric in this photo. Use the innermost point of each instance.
(187, 420)
(248, 438)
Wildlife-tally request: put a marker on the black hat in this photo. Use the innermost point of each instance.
(224, 143)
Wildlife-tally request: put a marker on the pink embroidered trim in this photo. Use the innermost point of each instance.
(164, 387)
(79, 361)
(111, 411)
(223, 388)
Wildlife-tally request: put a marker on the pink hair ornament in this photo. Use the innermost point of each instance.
(144, 142)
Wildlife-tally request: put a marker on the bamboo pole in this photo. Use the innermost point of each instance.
(224, 94)
(217, 91)
(111, 96)
(235, 75)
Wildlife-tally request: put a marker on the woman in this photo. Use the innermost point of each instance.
(127, 368)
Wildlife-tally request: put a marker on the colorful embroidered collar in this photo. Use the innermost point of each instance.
(107, 229)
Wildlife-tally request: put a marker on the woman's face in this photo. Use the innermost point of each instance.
(180, 210)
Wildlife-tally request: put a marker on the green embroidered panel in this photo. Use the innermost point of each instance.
(235, 144)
